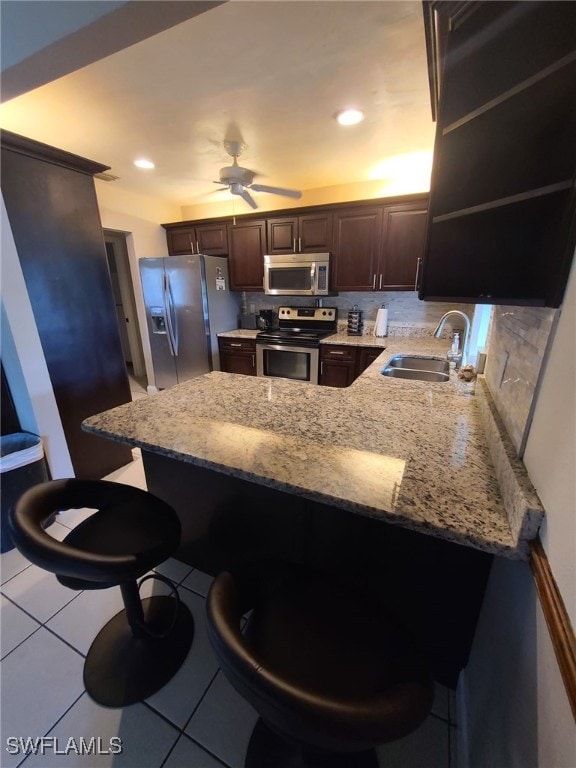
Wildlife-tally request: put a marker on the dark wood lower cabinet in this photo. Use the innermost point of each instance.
(340, 365)
(436, 585)
(337, 365)
(366, 356)
(237, 356)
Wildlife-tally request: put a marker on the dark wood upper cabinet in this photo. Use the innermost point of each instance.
(310, 233)
(210, 239)
(402, 246)
(501, 226)
(375, 244)
(379, 248)
(357, 240)
(53, 212)
(247, 245)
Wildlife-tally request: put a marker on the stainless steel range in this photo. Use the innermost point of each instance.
(292, 350)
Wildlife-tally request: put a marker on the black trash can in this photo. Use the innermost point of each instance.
(22, 465)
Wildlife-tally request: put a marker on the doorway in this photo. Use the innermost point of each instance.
(126, 316)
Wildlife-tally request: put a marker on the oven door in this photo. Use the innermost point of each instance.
(287, 362)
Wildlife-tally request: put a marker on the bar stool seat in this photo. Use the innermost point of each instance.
(130, 532)
(331, 671)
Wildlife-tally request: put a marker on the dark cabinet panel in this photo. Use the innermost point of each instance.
(501, 225)
(402, 246)
(366, 356)
(357, 239)
(500, 161)
(496, 46)
(282, 234)
(247, 245)
(237, 356)
(310, 233)
(181, 241)
(375, 245)
(54, 217)
(341, 364)
(337, 365)
(463, 263)
(9, 421)
(315, 233)
(210, 239)
(379, 248)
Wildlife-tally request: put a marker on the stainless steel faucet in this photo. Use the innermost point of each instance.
(461, 356)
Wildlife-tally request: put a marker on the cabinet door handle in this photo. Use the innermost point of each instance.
(235, 345)
(374, 282)
(191, 244)
(299, 245)
(334, 352)
(253, 361)
(294, 245)
(197, 247)
(380, 281)
(417, 273)
(321, 368)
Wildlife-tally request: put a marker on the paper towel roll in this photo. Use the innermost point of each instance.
(381, 324)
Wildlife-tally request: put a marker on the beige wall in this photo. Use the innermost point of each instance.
(139, 217)
(518, 711)
(342, 193)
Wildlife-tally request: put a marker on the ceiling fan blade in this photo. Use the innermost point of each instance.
(277, 190)
(248, 197)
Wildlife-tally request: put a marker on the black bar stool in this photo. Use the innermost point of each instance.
(131, 531)
(332, 671)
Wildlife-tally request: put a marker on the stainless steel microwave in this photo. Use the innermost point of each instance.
(297, 274)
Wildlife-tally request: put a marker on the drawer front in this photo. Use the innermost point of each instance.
(344, 354)
(237, 345)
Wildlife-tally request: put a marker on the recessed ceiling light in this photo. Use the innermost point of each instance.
(143, 163)
(349, 116)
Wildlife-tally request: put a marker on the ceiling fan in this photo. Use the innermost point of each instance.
(239, 180)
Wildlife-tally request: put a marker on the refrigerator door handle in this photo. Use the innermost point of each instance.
(168, 304)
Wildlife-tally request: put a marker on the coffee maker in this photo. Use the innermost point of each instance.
(265, 320)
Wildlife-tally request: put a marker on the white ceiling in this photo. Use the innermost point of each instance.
(270, 73)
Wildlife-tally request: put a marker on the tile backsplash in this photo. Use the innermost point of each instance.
(519, 337)
(403, 306)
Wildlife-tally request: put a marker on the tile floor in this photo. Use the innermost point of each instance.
(196, 721)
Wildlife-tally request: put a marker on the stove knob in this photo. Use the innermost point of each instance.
(324, 313)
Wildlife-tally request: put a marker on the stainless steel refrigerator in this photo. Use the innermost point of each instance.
(188, 302)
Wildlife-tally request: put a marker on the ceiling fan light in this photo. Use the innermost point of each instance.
(349, 116)
(143, 162)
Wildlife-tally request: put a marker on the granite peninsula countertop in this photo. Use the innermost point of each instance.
(412, 453)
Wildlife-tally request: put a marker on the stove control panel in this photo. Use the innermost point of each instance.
(308, 314)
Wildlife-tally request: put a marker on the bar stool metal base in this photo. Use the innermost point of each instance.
(122, 669)
(266, 748)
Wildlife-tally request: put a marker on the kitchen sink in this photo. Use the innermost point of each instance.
(420, 363)
(406, 373)
(434, 369)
